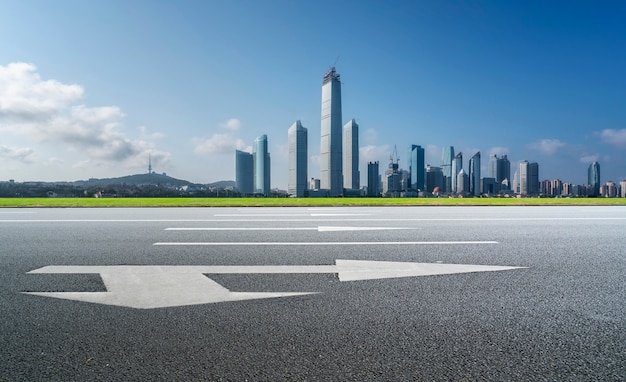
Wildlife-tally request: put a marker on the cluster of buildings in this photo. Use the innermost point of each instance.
(339, 167)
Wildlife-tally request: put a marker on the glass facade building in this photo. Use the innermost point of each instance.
(261, 158)
(417, 169)
(457, 166)
(297, 156)
(351, 176)
(244, 172)
(474, 174)
(373, 179)
(447, 157)
(331, 161)
(593, 178)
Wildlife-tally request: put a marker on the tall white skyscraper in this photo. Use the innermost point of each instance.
(351, 176)
(331, 171)
(297, 157)
(261, 159)
(457, 166)
(523, 177)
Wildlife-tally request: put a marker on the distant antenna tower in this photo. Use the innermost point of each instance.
(150, 163)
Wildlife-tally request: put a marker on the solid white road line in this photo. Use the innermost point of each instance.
(261, 243)
(319, 229)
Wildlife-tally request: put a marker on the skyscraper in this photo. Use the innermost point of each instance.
(447, 157)
(457, 165)
(351, 176)
(244, 172)
(297, 157)
(474, 174)
(593, 178)
(373, 179)
(261, 158)
(523, 177)
(533, 178)
(331, 172)
(492, 166)
(417, 169)
(503, 172)
(462, 182)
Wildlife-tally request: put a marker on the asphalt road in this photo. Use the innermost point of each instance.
(562, 317)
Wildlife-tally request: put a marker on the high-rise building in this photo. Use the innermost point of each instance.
(503, 172)
(622, 186)
(373, 179)
(474, 174)
(351, 176)
(462, 182)
(533, 178)
(457, 165)
(492, 166)
(297, 158)
(417, 169)
(244, 172)
(593, 178)
(434, 179)
(523, 177)
(261, 158)
(447, 157)
(331, 172)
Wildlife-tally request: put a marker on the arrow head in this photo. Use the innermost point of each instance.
(352, 270)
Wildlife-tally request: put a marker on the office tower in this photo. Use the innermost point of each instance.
(492, 166)
(457, 165)
(244, 172)
(556, 187)
(503, 172)
(523, 177)
(434, 179)
(261, 158)
(447, 157)
(462, 182)
(331, 172)
(297, 157)
(593, 178)
(622, 186)
(351, 176)
(474, 174)
(373, 179)
(415, 163)
(533, 178)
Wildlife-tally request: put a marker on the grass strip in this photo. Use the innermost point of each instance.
(303, 202)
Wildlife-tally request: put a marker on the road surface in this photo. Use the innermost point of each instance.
(266, 294)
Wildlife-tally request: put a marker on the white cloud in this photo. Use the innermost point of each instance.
(589, 158)
(370, 137)
(232, 124)
(373, 153)
(614, 137)
(547, 146)
(44, 111)
(24, 95)
(219, 144)
(21, 154)
(498, 151)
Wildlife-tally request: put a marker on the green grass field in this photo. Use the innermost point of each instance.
(303, 202)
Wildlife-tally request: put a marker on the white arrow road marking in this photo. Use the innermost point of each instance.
(259, 243)
(319, 229)
(160, 286)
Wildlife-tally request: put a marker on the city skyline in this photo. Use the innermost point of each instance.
(534, 81)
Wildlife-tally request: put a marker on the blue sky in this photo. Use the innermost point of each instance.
(90, 88)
